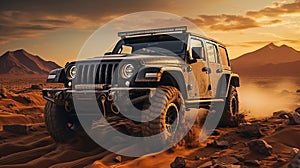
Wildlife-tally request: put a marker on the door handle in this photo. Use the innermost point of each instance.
(206, 69)
(220, 70)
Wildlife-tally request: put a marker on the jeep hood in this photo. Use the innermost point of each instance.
(143, 59)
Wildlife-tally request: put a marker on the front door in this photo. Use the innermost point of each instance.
(215, 67)
(200, 75)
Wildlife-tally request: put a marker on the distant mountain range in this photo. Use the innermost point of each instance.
(270, 60)
(20, 62)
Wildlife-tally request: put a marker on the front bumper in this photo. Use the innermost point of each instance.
(56, 95)
(109, 100)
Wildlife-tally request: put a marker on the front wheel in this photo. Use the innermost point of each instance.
(58, 123)
(167, 104)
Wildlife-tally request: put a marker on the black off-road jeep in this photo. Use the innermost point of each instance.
(163, 71)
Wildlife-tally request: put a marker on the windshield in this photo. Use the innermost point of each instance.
(172, 45)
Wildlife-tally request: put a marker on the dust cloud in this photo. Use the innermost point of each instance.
(260, 97)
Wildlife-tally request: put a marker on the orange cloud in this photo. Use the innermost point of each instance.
(278, 10)
(18, 25)
(28, 19)
(224, 22)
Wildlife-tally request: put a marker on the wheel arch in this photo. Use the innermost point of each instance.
(174, 78)
(235, 80)
(168, 76)
(225, 82)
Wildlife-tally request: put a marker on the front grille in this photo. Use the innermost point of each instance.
(96, 73)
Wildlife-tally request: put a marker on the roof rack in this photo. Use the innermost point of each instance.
(153, 31)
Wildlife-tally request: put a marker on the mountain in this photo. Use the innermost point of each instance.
(270, 60)
(20, 62)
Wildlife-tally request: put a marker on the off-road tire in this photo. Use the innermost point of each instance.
(164, 99)
(56, 122)
(230, 114)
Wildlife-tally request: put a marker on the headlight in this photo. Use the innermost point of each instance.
(127, 71)
(71, 72)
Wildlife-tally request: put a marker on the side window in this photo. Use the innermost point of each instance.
(197, 43)
(212, 53)
(224, 57)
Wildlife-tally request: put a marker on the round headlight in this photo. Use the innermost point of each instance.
(127, 71)
(72, 72)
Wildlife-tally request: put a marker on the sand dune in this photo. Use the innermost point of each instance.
(38, 150)
(226, 146)
(22, 108)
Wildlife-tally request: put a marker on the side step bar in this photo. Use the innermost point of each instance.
(201, 103)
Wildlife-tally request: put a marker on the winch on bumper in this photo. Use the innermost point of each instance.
(109, 101)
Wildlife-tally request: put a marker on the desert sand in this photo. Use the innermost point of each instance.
(34, 147)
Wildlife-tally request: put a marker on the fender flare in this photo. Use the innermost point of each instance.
(56, 76)
(235, 80)
(225, 82)
(175, 74)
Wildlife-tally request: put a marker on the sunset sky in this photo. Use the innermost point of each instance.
(56, 30)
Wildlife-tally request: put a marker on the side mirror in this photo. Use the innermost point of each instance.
(197, 52)
(107, 53)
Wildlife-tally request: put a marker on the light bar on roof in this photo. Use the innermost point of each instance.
(152, 31)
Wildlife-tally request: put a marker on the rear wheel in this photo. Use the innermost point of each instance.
(230, 116)
(58, 123)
